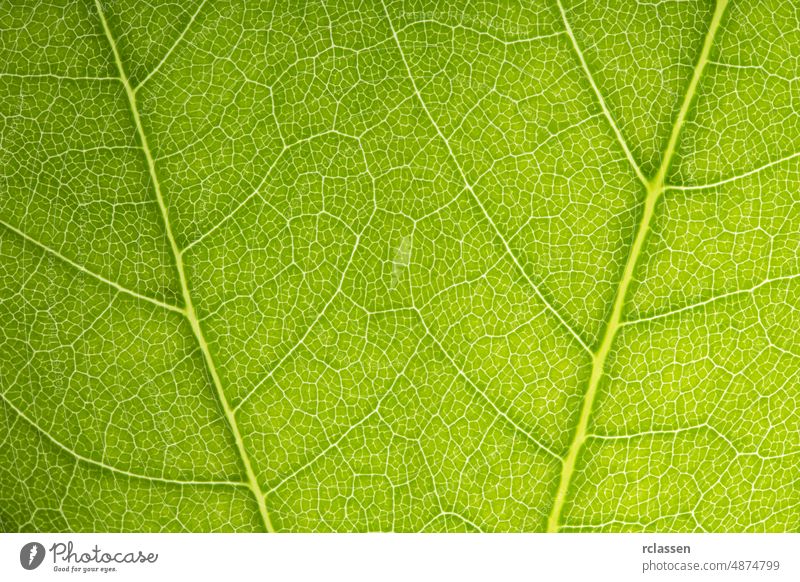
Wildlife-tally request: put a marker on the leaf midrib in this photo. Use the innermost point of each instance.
(655, 188)
(189, 310)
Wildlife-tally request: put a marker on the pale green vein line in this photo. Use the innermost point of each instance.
(531, 153)
(314, 322)
(336, 442)
(54, 77)
(233, 212)
(760, 68)
(599, 95)
(474, 195)
(734, 178)
(105, 466)
(708, 301)
(479, 32)
(257, 190)
(655, 189)
(690, 93)
(645, 434)
(172, 48)
(706, 426)
(451, 514)
(499, 411)
(92, 274)
(323, 452)
(191, 315)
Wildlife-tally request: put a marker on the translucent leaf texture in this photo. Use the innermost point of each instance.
(408, 266)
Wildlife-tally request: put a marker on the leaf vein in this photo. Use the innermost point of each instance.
(474, 195)
(106, 466)
(191, 315)
(172, 48)
(599, 95)
(655, 189)
(90, 273)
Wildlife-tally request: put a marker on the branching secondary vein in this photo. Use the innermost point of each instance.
(86, 271)
(107, 467)
(474, 194)
(601, 100)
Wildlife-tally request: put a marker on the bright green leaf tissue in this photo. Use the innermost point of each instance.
(413, 266)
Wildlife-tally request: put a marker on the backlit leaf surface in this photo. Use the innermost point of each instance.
(409, 266)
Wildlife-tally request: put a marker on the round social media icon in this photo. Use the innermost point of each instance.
(31, 555)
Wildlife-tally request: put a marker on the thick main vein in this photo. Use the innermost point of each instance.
(655, 188)
(191, 314)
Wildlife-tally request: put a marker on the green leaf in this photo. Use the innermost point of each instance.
(413, 266)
